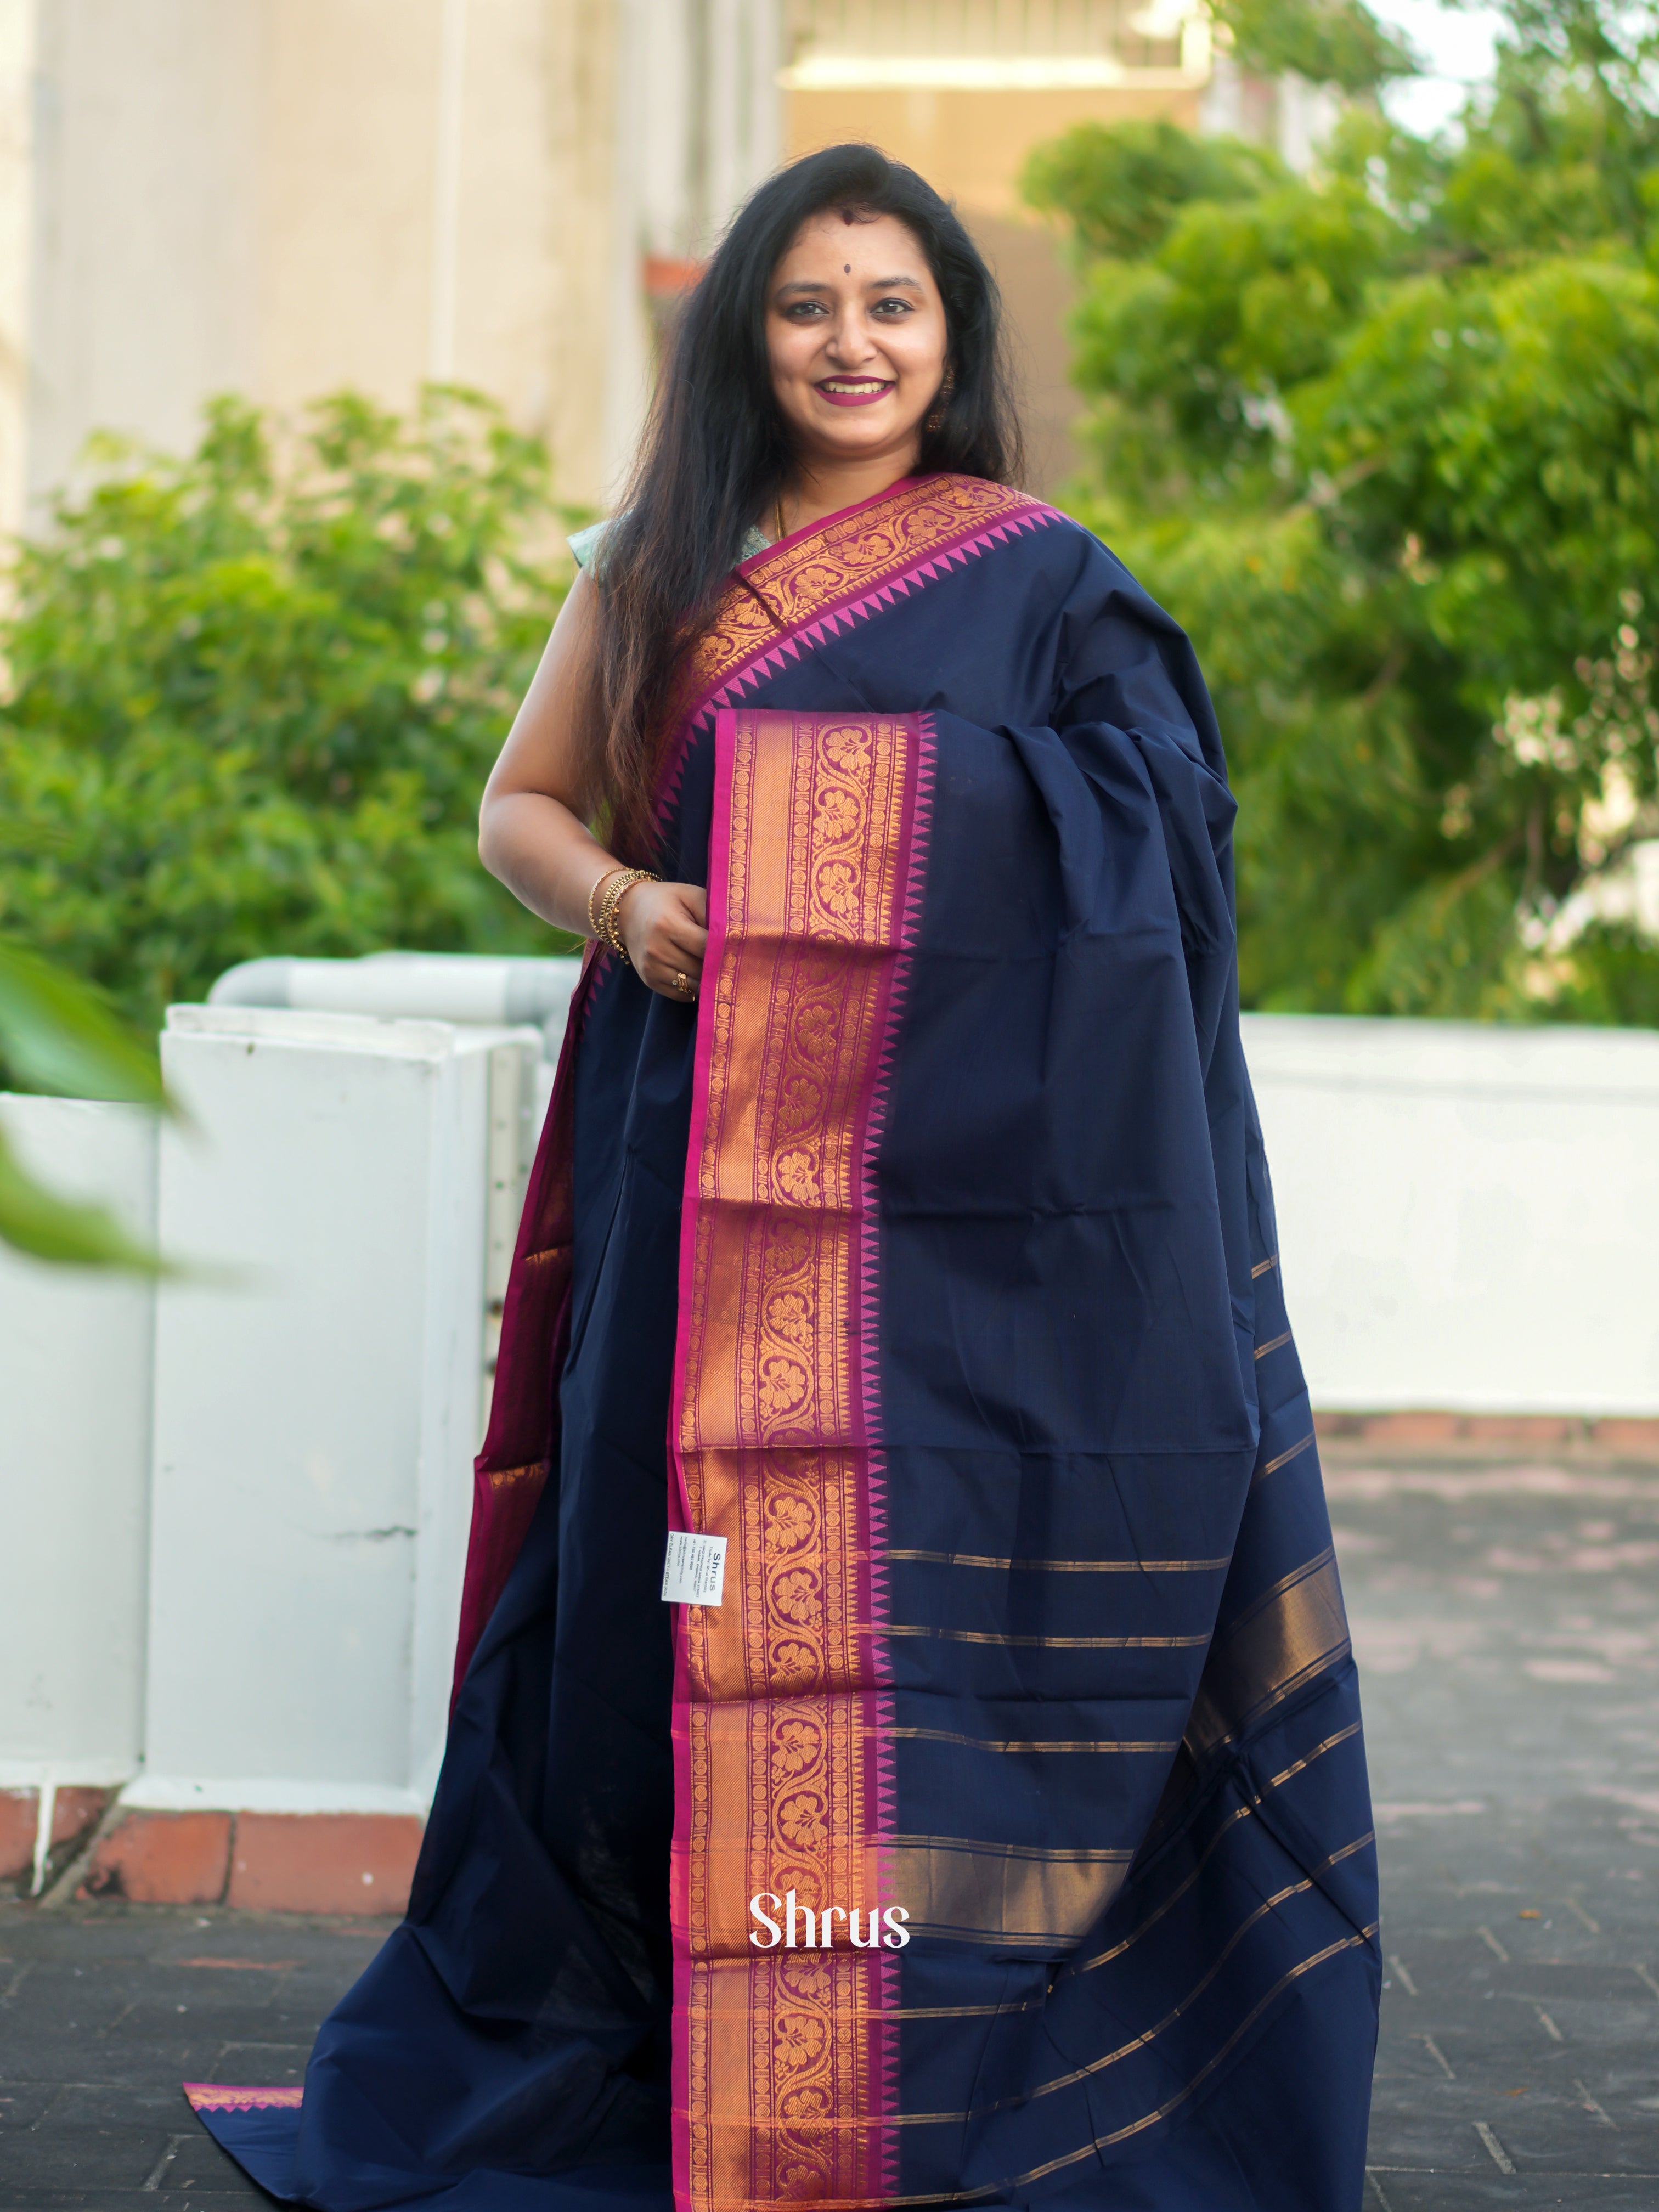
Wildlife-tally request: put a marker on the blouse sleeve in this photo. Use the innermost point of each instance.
(584, 543)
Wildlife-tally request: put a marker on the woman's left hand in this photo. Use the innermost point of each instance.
(665, 929)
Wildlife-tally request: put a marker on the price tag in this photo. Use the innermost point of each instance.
(694, 1572)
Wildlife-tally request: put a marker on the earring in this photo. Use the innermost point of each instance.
(935, 422)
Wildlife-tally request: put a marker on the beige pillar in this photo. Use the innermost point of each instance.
(17, 207)
(141, 218)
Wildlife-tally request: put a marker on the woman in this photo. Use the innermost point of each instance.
(994, 1830)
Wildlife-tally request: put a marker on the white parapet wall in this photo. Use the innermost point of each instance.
(75, 1356)
(1469, 1215)
(317, 1400)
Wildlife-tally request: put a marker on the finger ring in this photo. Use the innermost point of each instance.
(682, 981)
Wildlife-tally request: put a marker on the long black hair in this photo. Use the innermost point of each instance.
(717, 453)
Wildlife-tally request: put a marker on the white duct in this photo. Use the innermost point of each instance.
(449, 986)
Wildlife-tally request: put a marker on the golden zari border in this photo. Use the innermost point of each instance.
(784, 2057)
(846, 567)
(1295, 1631)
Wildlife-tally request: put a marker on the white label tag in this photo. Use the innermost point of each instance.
(694, 1572)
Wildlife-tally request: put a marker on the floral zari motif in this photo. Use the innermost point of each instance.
(783, 2059)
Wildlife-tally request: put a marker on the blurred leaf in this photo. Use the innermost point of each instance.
(35, 1220)
(58, 1036)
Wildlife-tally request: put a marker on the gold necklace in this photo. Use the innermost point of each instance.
(782, 533)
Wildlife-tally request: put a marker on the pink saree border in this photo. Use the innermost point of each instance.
(223, 2097)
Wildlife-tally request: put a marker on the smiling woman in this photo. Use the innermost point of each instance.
(868, 335)
(899, 1263)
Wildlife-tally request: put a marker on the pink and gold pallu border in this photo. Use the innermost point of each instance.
(784, 2060)
(833, 576)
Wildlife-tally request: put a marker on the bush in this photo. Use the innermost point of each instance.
(254, 695)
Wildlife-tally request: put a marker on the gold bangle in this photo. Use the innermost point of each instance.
(635, 876)
(617, 890)
(600, 882)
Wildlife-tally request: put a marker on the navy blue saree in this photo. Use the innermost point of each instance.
(1001, 1836)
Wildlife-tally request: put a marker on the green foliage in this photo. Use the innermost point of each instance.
(58, 1036)
(1615, 977)
(254, 693)
(1336, 42)
(1122, 189)
(1386, 437)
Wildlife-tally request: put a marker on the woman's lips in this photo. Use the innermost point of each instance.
(852, 392)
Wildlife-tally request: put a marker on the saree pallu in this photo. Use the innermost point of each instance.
(1001, 1836)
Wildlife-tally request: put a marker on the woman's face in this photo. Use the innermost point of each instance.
(855, 333)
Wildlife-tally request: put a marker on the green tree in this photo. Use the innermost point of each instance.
(1386, 438)
(1337, 42)
(253, 695)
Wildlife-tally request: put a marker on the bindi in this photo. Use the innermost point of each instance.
(846, 268)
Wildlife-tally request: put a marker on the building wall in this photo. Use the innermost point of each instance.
(17, 211)
(440, 197)
(346, 167)
(1467, 1213)
(971, 143)
(76, 1361)
(282, 198)
(141, 285)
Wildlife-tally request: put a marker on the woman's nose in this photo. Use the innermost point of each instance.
(849, 341)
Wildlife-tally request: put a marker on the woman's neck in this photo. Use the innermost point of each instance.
(820, 488)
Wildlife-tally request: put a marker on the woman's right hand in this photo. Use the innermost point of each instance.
(665, 929)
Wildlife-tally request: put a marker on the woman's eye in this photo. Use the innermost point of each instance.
(798, 310)
(900, 306)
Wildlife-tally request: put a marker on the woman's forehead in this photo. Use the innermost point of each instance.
(870, 248)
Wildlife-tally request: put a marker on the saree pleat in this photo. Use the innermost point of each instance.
(930, 1261)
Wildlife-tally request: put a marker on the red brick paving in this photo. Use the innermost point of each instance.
(164, 1858)
(19, 1818)
(74, 1812)
(355, 1862)
(1428, 1430)
(1640, 1439)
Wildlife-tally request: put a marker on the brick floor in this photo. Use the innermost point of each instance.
(1506, 1613)
(106, 2007)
